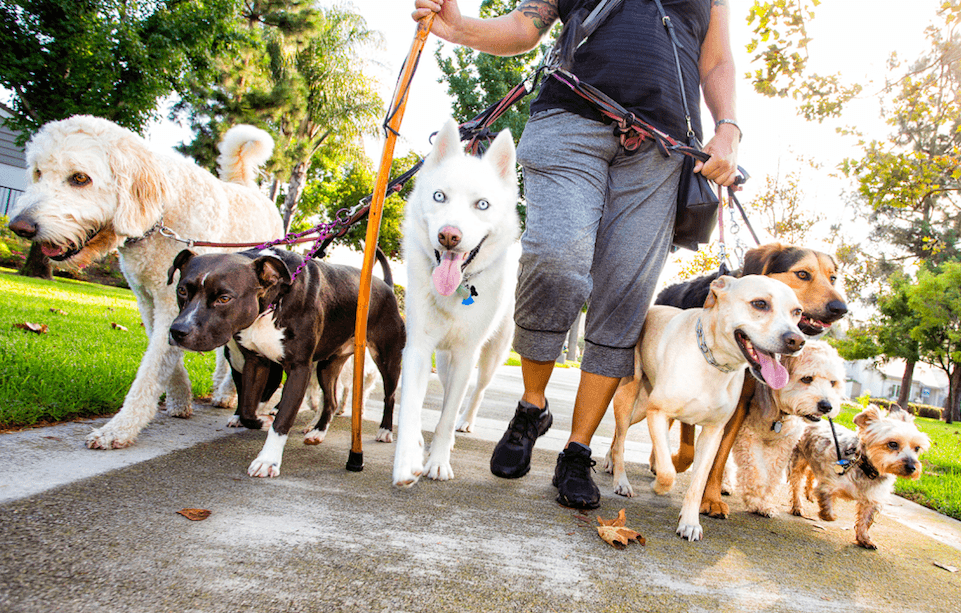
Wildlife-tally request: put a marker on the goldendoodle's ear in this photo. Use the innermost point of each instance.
(142, 188)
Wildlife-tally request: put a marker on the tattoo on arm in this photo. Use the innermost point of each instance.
(542, 12)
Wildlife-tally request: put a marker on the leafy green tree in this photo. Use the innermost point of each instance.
(111, 58)
(936, 299)
(338, 184)
(889, 334)
(302, 78)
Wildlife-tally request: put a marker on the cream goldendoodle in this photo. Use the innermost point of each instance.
(96, 186)
(777, 419)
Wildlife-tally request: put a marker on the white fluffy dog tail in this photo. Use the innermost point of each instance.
(242, 151)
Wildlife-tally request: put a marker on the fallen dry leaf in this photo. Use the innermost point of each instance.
(950, 569)
(195, 514)
(615, 533)
(117, 326)
(32, 327)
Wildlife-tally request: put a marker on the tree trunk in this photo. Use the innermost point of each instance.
(274, 188)
(37, 264)
(298, 179)
(906, 380)
(954, 395)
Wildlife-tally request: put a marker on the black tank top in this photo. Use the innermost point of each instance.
(629, 58)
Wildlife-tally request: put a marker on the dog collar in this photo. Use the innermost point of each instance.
(706, 351)
(467, 293)
(867, 468)
(134, 240)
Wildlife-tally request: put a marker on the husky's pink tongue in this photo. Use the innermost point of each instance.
(773, 371)
(447, 276)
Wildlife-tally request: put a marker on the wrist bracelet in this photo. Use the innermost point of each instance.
(733, 123)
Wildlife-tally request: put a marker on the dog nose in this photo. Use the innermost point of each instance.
(793, 341)
(177, 333)
(449, 237)
(824, 407)
(910, 467)
(837, 309)
(23, 227)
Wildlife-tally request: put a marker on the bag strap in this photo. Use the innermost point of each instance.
(675, 45)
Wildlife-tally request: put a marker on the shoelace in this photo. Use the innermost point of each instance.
(580, 461)
(523, 425)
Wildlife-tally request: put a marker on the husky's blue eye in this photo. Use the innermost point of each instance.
(439, 196)
(483, 205)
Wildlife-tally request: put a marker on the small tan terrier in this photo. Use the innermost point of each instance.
(777, 419)
(883, 448)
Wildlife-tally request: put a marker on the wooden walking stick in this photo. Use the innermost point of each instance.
(355, 461)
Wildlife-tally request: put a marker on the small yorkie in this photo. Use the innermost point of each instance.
(883, 448)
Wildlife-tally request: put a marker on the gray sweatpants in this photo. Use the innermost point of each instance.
(599, 229)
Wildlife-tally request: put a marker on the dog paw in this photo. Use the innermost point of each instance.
(264, 468)
(465, 426)
(763, 511)
(608, 465)
(225, 401)
(315, 437)
(623, 488)
(690, 532)
(662, 485)
(180, 410)
(866, 543)
(715, 508)
(106, 438)
(796, 511)
(384, 436)
(827, 515)
(234, 421)
(408, 467)
(439, 471)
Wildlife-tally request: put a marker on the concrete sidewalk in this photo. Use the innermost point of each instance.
(96, 531)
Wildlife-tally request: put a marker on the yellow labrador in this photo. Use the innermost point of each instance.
(690, 365)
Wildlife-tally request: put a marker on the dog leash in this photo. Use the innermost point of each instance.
(843, 465)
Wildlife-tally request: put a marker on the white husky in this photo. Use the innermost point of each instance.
(460, 223)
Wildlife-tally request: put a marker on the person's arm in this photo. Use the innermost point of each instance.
(516, 32)
(718, 77)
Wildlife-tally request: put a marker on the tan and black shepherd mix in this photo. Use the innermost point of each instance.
(813, 276)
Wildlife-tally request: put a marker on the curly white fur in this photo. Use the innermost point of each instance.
(96, 187)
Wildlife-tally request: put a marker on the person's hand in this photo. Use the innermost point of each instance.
(445, 22)
(722, 167)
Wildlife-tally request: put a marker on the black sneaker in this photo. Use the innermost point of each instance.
(572, 478)
(512, 454)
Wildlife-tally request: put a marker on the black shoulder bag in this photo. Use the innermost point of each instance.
(697, 202)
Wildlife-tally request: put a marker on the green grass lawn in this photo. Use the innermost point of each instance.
(84, 364)
(939, 486)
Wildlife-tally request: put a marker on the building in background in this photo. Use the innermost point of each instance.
(929, 385)
(13, 165)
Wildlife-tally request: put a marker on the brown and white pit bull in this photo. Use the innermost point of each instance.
(278, 312)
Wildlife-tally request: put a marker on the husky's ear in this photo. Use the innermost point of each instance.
(502, 156)
(446, 144)
(142, 187)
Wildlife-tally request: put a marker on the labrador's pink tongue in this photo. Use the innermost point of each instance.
(447, 275)
(773, 371)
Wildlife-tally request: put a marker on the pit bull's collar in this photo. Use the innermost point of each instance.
(706, 351)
